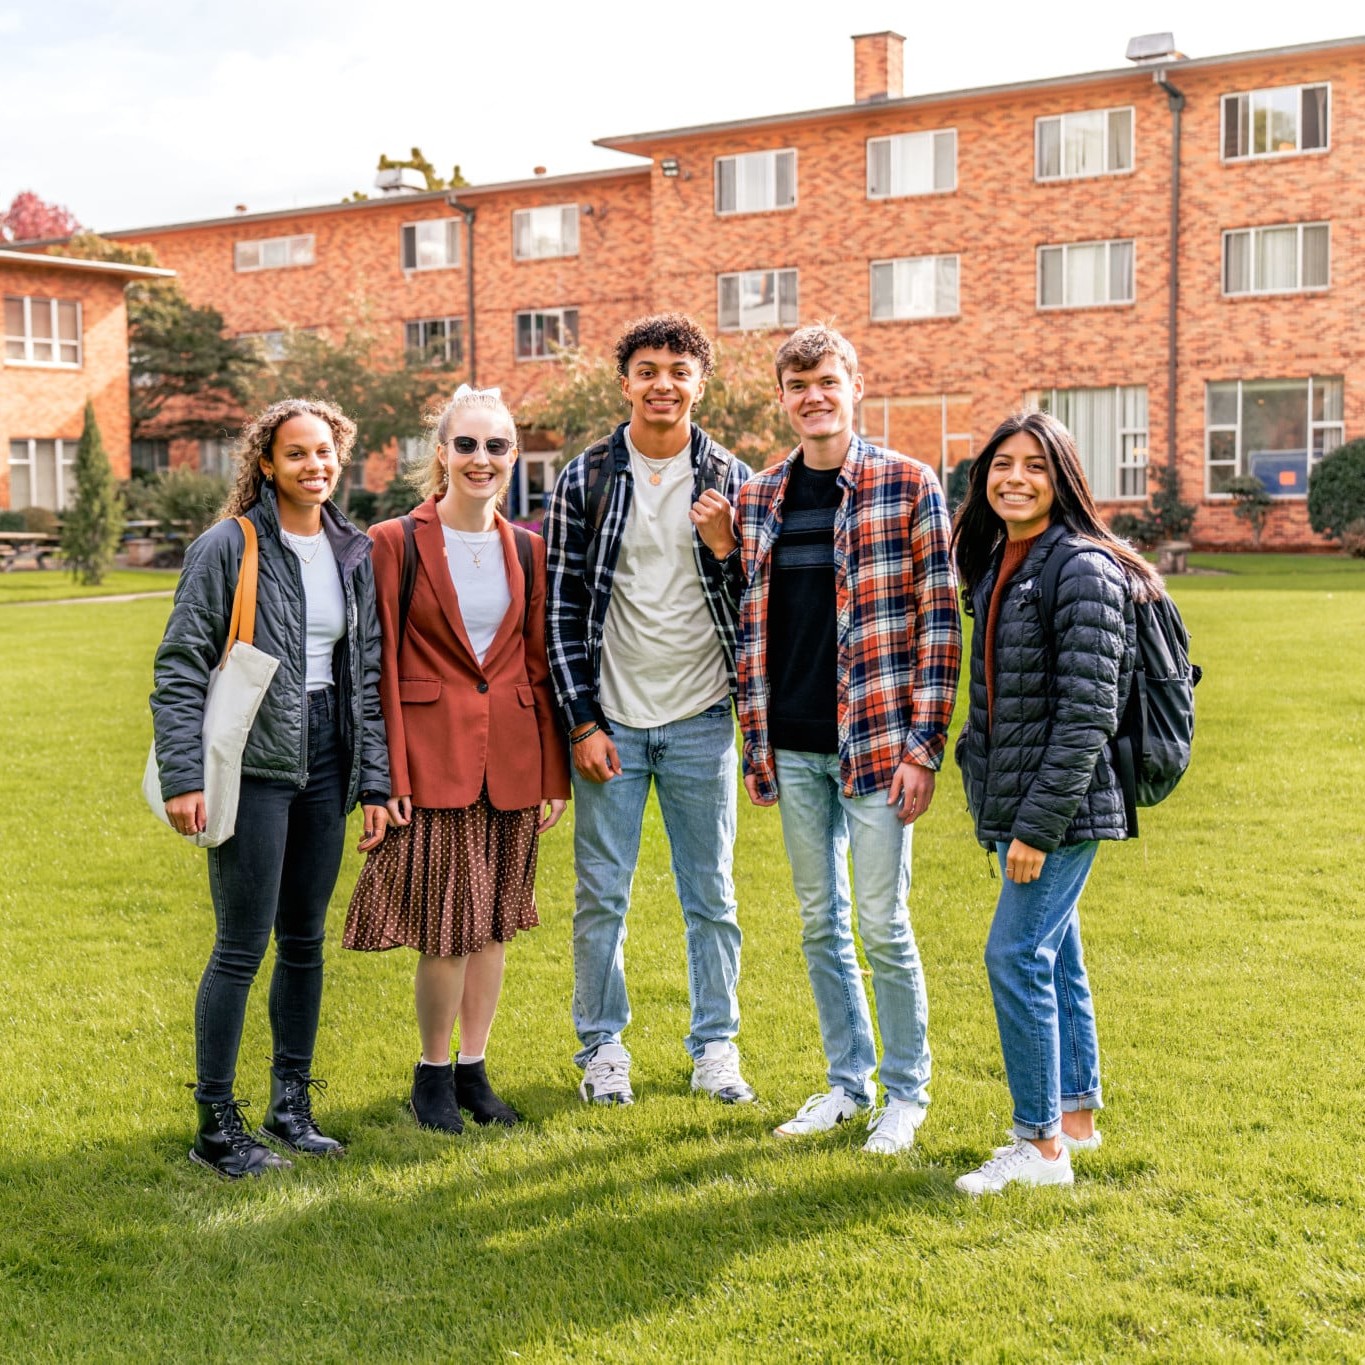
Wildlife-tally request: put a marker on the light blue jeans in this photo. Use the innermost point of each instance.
(821, 827)
(692, 764)
(1042, 995)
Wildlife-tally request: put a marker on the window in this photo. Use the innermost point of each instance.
(911, 163)
(1276, 260)
(1085, 274)
(42, 331)
(151, 457)
(273, 253)
(41, 474)
(915, 287)
(433, 245)
(756, 182)
(539, 334)
(271, 344)
(1276, 430)
(757, 299)
(215, 456)
(1110, 427)
(434, 340)
(1097, 142)
(412, 451)
(1280, 122)
(532, 482)
(542, 232)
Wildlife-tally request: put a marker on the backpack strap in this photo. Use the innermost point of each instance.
(407, 578)
(526, 558)
(601, 472)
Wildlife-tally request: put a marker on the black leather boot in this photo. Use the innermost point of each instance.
(290, 1118)
(224, 1145)
(433, 1098)
(475, 1094)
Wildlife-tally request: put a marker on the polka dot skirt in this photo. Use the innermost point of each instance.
(448, 882)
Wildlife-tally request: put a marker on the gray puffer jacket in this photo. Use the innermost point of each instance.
(277, 746)
(1042, 773)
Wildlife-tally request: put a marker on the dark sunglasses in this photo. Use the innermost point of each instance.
(496, 446)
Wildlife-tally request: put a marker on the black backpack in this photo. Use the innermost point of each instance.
(602, 470)
(1156, 731)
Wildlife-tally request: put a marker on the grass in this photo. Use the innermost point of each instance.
(1221, 1219)
(47, 585)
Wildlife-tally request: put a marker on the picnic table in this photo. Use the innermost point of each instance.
(36, 546)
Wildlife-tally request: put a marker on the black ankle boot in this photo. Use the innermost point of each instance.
(290, 1118)
(224, 1145)
(433, 1098)
(473, 1093)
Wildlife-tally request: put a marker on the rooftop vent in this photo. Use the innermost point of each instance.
(401, 180)
(1154, 47)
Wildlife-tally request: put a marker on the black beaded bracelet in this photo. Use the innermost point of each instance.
(591, 730)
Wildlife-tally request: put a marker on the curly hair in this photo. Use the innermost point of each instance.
(674, 332)
(808, 346)
(428, 475)
(257, 443)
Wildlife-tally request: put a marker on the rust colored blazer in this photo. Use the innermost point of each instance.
(453, 723)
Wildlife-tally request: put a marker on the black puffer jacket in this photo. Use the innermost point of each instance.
(277, 746)
(1042, 775)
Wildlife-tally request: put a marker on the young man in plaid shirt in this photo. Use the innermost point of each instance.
(848, 667)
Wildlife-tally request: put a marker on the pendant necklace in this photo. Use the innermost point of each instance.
(476, 554)
(656, 468)
(297, 543)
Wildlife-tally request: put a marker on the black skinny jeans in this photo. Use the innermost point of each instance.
(276, 873)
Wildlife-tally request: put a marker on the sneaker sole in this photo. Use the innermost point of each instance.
(609, 1100)
(724, 1099)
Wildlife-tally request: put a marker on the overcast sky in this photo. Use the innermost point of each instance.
(142, 112)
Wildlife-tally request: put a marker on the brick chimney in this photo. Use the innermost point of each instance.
(878, 66)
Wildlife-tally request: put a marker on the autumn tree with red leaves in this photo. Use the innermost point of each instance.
(30, 218)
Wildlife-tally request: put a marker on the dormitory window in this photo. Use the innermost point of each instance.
(1097, 142)
(751, 300)
(1110, 427)
(915, 287)
(756, 182)
(1276, 430)
(911, 163)
(540, 334)
(1085, 274)
(545, 232)
(42, 331)
(1276, 260)
(41, 474)
(433, 245)
(270, 345)
(1280, 122)
(434, 340)
(273, 253)
(150, 457)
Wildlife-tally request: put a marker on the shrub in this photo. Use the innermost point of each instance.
(1165, 518)
(90, 533)
(1251, 504)
(1129, 526)
(11, 521)
(40, 519)
(1336, 490)
(363, 505)
(958, 477)
(1353, 539)
(188, 499)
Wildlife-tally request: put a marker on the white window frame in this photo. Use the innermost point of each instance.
(1061, 121)
(544, 461)
(248, 256)
(931, 135)
(27, 340)
(271, 343)
(215, 456)
(449, 229)
(1253, 255)
(65, 454)
(567, 244)
(1313, 426)
(450, 324)
(1066, 248)
(1131, 444)
(542, 313)
(760, 326)
(739, 157)
(1298, 149)
(929, 262)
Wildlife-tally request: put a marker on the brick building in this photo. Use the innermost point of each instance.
(66, 341)
(981, 247)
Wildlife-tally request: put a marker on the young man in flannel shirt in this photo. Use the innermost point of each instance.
(641, 612)
(848, 667)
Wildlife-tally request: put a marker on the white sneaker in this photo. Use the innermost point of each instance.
(606, 1078)
(1021, 1164)
(892, 1128)
(819, 1114)
(716, 1072)
(1071, 1144)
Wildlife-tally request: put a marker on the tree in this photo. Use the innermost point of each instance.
(1250, 503)
(30, 219)
(1166, 518)
(91, 527)
(1336, 490)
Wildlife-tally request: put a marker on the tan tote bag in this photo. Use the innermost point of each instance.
(235, 692)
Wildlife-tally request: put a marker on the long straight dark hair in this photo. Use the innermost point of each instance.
(978, 531)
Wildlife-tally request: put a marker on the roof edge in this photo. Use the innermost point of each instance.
(37, 258)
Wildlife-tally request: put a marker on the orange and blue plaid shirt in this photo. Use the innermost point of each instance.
(899, 633)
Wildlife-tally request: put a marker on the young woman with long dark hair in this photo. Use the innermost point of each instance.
(1045, 698)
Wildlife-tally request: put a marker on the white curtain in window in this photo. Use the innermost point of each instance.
(1120, 272)
(1316, 249)
(1277, 258)
(1049, 147)
(1091, 417)
(1120, 139)
(1237, 263)
(1085, 139)
(1085, 275)
(756, 182)
(912, 167)
(1050, 285)
(945, 285)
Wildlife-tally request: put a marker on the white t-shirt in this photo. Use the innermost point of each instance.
(324, 604)
(481, 588)
(661, 658)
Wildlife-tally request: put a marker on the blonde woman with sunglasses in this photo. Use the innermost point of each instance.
(478, 761)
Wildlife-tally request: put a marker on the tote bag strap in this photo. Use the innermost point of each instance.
(243, 624)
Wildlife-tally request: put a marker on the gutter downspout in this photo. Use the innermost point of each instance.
(1176, 102)
(467, 211)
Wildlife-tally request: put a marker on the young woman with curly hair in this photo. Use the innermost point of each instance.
(316, 746)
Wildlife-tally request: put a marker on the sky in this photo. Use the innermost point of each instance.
(137, 113)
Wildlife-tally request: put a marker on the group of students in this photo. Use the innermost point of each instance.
(460, 678)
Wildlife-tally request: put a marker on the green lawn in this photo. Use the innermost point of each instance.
(1221, 1219)
(46, 585)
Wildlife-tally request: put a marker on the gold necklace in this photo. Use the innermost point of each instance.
(475, 555)
(656, 467)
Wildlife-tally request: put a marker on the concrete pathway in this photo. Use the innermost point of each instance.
(82, 601)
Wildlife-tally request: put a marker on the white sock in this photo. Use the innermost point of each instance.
(465, 1059)
(427, 1063)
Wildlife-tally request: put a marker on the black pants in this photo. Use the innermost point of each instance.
(275, 874)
